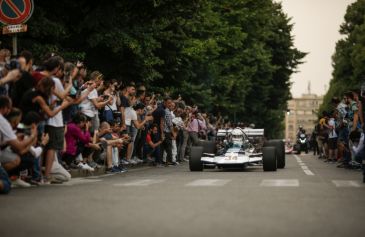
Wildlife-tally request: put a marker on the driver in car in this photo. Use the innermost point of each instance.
(236, 139)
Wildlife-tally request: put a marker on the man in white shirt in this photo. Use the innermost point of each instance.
(54, 125)
(9, 159)
(93, 103)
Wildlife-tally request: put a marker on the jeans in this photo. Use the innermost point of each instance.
(37, 173)
(183, 142)
(4, 179)
(115, 156)
(26, 163)
(152, 152)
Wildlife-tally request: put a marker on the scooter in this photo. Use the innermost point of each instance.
(302, 143)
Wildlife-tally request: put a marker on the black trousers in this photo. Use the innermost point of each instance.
(166, 146)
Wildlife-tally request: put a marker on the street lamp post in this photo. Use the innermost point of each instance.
(287, 124)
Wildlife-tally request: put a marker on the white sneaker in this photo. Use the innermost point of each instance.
(20, 183)
(36, 151)
(132, 162)
(124, 162)
(85, 167)
(137, 160)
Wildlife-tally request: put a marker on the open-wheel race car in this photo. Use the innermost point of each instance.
(238, 148)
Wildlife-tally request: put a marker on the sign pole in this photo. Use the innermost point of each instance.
(13, 13)
(15, 45)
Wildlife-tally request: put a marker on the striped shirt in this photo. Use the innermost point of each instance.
(168, 121)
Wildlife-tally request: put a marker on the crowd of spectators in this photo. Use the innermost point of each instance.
(339, 135)
(57, 116)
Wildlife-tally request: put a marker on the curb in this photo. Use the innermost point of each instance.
(78, 173)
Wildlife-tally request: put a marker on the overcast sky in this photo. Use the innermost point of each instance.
(316, 26)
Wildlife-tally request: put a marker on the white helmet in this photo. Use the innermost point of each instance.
(237, 134)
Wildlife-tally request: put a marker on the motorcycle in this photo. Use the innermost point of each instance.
(302, 143)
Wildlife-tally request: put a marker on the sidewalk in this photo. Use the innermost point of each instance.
(76, 173)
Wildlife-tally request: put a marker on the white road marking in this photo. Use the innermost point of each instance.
(280, 183)
(76, 181)
(347, 183)
(308, 172)
(141, 182)
(208, 182)
(305, 168)
(100, 176)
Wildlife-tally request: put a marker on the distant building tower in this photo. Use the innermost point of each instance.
(302, 112)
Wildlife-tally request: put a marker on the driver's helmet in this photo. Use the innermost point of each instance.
(237, 135)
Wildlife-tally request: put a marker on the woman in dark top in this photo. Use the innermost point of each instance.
(37, 100)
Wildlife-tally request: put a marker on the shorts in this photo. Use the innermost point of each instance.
(4, 179)
(332, 143)
(56, 137)
(132, 132)
(7, 155)
(95, 123)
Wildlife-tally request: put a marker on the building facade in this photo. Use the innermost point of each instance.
(302, 111)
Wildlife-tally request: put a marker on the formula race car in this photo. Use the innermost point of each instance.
(238, 148)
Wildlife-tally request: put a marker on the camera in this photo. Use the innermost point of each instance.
(13, 64)
(105, 97)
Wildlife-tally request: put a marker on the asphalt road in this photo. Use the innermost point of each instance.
(307, 198)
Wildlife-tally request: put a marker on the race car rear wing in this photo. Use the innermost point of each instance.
(250, 132)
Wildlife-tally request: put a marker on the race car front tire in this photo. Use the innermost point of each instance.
(195, 163)
(280, 151)
(269, 158)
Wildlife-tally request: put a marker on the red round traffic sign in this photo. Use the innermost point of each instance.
(13, 12)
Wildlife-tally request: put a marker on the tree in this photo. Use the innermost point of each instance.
(349, 57)
(232, 57)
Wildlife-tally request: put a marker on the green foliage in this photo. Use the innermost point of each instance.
(349, 58)
(231, 57)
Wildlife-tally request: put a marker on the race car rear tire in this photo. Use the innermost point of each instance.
(269, 158)
(195, 163)
(208, 146)
(280, 151)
